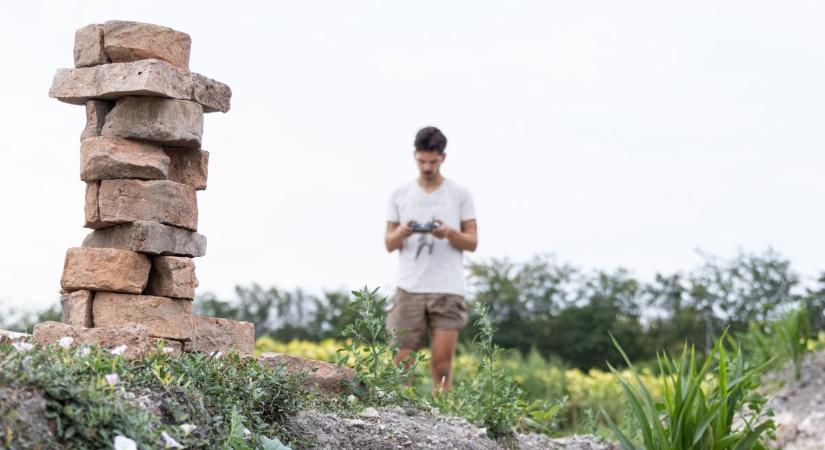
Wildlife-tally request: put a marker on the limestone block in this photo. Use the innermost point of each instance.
(105, 269)
(134, 337)
(103, 158)
(326, 377)
(149, 237)
(77, 308)
(110, 202)
(189, 166)
(150, 77)
(176, 123)
(96, 111)
(163, 317)
(132, 41)
(88, 46)
(172, 276)
(213, 95)
(212, 334)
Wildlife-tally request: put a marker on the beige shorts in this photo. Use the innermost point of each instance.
(413, 316)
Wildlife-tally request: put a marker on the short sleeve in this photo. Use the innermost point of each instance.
(393, 214)
(468, 208)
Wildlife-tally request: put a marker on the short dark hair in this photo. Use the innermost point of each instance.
(430, 139)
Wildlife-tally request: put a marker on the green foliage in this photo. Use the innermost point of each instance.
(785, 339)
(793, 331)
(697, 411)
(372, 349)
(219, 395)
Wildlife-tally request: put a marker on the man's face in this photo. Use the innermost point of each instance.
(429, 164)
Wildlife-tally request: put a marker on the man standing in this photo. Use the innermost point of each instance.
(431, 221)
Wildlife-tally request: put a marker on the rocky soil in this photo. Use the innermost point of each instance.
(800, 405)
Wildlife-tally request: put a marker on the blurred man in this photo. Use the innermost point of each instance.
(431, 221)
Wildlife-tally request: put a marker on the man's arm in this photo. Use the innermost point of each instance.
(395, 235)
(466, 239)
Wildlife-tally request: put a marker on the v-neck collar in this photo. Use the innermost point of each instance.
(443, 182)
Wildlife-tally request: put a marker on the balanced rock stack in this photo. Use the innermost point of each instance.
(142, 162)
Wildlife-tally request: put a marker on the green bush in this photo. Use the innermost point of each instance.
(699, 404)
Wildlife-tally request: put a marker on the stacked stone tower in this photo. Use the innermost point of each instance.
(142, 162)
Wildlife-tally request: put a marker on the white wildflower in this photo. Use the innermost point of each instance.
(168, 349)
(65, 341)
(124, 443)
(217, 355)
(22, 346)
(246, 432)
(187, 428)
(351, 399)
(169, 441)
(112, 379)
(119, 350)
(84, 351)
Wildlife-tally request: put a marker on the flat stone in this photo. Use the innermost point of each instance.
(96, 111)
(325, 376)
(77, 308)
(131, 41)
(172, 276)
(108, 158)
(189, 166)
(149, 237)
(13, 336)
(176, 123)
(110, 202)
(150, 77)
(213, 95)
(134, 336)
(88, 46)
(105, 269)
(213, 334)
(163, 317)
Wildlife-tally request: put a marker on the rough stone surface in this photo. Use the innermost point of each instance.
(213, 95)
(325, 376)
(105, 269)
(23, 419)
(176, 123)
(134, 336)
(109, 158)
(172, 276)
(394, 427)
(189, 166)
(112, 81)
(799, 405)
(212, 334)
(77, 308)
(132, 41)
(163, 317)
(96, 111)
(149, 237)
(88, 46)
(12, 336)
(110, 202)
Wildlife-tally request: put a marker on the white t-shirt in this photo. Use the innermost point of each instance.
(428, 264)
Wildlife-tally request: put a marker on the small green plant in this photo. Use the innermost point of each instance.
(793, 332)
(699, 404)
(371, 350)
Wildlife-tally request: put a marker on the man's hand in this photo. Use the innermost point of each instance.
(395, 235)
(443, 231)
(404, 231)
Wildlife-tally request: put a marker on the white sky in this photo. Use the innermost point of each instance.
(610, 133)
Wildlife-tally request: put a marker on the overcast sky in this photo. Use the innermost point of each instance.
(609, 133)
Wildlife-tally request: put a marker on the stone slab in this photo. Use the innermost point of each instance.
(77, 308)
(134, 336)
(111, 202)
(105, 269)
(7, 337)
(325, 376)
(88, 46)
(163, 317)
(172, 276)
(213, 95)
(213, 334)
(149, 237)
(96, 111)
(110, 158)
(112, 81)
(176, 123)
(189, 166)
(131, 41)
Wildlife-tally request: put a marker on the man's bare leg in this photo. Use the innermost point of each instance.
(443, 344)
